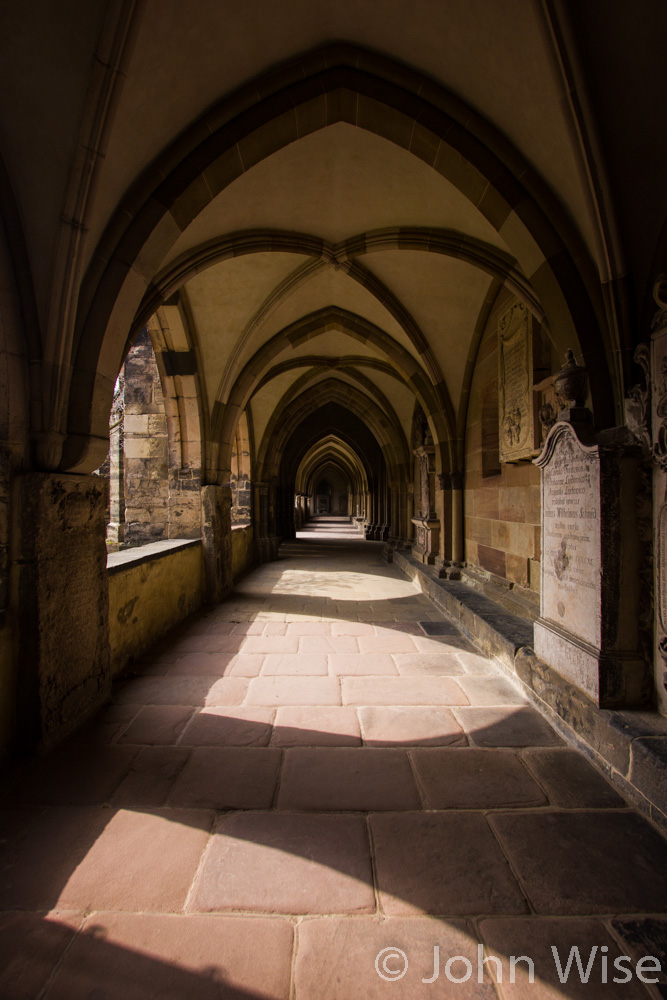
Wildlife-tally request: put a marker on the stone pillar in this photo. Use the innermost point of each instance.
(450, 556)
(62, 598)
(116, 526)
(216, 537)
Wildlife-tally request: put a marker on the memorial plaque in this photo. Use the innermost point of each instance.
(571, 546)
(515, 384)
(589, 490)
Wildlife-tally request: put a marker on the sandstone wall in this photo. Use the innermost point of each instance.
(149, 597)
(242, 550)
(501, 501)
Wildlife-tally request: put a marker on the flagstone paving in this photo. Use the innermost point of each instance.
(305, 791)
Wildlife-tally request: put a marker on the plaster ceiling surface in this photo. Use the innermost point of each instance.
(400, 398)
(445, 296)
(495, 56)
(265, 400)
(328, 344)
(335, 184)
(328, 287)
(223, 298)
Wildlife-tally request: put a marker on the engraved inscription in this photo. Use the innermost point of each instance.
(571, 538)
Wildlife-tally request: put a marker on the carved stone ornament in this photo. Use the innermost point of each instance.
(570, 383)
(658, 403)
(515, 379)
(660, 298)
(637, 401)
(548, 417)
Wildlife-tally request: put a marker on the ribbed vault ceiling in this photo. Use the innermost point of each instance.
(322, 225)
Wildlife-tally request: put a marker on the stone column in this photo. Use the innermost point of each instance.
(116, 526)
(216, 537)
(450, 557)
(59, 577)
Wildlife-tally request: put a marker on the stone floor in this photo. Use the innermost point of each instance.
(308, 787)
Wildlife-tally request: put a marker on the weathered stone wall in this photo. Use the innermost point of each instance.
(146, 447)
(148, 598)
(216, 537)
(501, 501)
(241, 501)
(242, 549)
(61, 602)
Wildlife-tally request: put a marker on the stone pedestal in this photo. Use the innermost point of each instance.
(588, 625)
(62, 600)
(427, 540)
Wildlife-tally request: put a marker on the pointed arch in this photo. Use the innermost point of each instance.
(336, 83)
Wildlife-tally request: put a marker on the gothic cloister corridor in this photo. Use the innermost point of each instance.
(333, 500)
(318, 768)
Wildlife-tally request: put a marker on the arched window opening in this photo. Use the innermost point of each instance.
(240, 481)
(150, 496)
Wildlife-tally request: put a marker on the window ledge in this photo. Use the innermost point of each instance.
(118, 561)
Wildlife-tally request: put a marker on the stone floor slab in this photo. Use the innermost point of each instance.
(327, 779)
(229, 726)
(165, 690)
(352, 628)
(281, 863)
(433, 664)
(228, 778)
(295, 665)
(322, 644)
(202, 665)
(226, 691)
(122, 956)
(489, 690)
(208, 643)
(308, 628)
(395, 642)
(93, 858)
(316, 726)
(507, 727)
(440, 863)
(75, 775)
(336, 959)
(570, 781)
(150, 778)
(475, 779)
(31, 945)
(402, 691)
(158, 725)
(586, 862)
(246, 665)
(294, 691)
(536, 938)
(410, 726)
(270, 644)
(362, 664)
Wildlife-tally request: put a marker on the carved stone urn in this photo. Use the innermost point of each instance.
(570, 383)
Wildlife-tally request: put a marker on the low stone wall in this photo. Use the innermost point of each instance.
(151, 589)
(242, 549)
